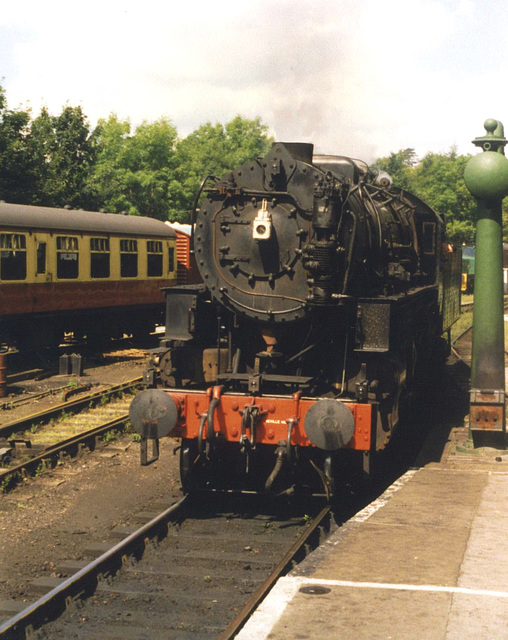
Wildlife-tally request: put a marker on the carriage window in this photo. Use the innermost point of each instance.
(429, 238)
(41, 258)
(12, 256)
(128, 258)
(171, 253)
(154, 258)
(67, 257)
(99, 258)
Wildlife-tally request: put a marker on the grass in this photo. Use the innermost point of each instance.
(9, 482)
(41, 469)
(463, 323)
(110, 436)
(466, 320)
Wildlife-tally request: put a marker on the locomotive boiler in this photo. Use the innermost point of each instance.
(324, 287)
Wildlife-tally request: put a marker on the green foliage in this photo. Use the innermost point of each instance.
(58, 161)
(16, 179)
(153, 173)
(63, 151)
(214, 150)
(9, 482)
(110, 436)
(438, 179)
(41, 469)
(400, 166)
(134, 173)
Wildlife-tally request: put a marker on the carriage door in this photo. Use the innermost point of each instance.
(42, 258)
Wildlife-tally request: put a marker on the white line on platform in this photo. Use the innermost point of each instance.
(272, 607)
(284, 591)
(401, 587)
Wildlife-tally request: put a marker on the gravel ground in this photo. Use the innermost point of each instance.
(50, 518)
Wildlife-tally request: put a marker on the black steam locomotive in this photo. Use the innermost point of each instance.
(323, 286)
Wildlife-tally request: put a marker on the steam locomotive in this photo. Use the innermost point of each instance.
(323, 289)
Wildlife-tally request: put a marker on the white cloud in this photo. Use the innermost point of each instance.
(362, 79)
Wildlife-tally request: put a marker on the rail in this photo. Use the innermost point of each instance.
(255, 600)
(54, 603)
(8, 476)
(71, 406)
(189, 512)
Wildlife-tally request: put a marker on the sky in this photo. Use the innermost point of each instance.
(362, 79)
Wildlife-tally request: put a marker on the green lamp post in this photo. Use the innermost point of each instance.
(486, 177)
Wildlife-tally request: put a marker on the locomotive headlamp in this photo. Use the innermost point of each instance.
(262, 225)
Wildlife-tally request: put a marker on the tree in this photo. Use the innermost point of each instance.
(104, 181)
(214, 150)
(438, 179)
(63, 151)
(133, 173)
(57, 161)
(400, 166)
(440, 183)
(16, 165)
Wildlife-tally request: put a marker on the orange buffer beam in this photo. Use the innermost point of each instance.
(271, 425)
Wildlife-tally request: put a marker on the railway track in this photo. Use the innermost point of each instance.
(68, 407)
(463, 343)
(66, 390)
(196, 570)
(462, 346)
(42, 446)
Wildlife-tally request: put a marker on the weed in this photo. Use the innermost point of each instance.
(104, 400)
(34, 428)
(462, 324)
(9, 482)
(4, 485)
(207, 578)
(135, 437)
(41, 469)
(109, 436)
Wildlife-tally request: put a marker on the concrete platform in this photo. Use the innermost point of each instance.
(427, 561)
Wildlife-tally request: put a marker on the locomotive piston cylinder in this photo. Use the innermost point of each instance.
(321, 255)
